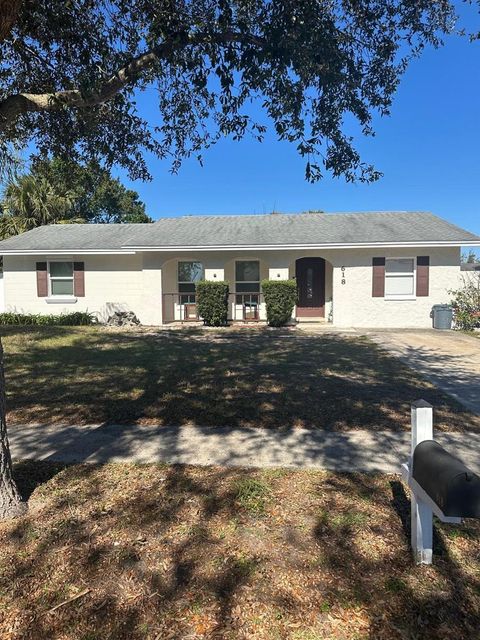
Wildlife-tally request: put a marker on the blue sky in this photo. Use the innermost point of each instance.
(428, 150)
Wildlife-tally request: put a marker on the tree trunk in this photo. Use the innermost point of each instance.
(11, 503)
(9, 10)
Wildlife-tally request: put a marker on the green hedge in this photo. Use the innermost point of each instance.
(212, 302)
(63, 319)
(280, 298)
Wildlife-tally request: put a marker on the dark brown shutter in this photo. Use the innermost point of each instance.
(378, 280)
(79, 279)
(423, 268)
(42, 280)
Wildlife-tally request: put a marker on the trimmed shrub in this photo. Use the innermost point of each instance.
(212, 302)
(280, 298)
(466, 303)
(78, 318)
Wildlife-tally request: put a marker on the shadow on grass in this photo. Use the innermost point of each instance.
(171, 552)
(143, 513)
(403, 600)
(240, 378)
(401, 504)
(30, 474)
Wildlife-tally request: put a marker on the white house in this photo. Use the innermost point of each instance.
(382, 269)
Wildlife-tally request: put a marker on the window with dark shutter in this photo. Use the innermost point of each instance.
(423, 275)
(79, 279)
(378, 277)
(61, 278)
(399, 278)
(42, 280)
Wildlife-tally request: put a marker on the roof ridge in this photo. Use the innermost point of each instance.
(293, 214)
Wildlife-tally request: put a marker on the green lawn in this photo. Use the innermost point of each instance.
(156, 552)
(239, 377)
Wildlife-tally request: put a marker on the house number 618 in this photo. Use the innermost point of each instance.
(342, 269)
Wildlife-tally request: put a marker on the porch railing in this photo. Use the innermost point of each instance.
(246, 307)
(242, 307)
(180, 307)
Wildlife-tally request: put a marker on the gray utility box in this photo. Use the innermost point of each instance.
(442, 315)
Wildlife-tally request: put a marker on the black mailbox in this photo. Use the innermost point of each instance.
(450, 484)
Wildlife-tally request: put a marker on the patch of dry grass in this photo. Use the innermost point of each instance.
(237, 377)
(174, 552)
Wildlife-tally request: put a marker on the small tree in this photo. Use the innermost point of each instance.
(11, 503)
(63, 191)
(280, 298)
(212, 302)
(469, 258)
(466, 303)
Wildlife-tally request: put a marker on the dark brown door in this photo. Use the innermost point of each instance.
(310, 273)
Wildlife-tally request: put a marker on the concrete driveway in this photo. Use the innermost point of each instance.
(449, 359)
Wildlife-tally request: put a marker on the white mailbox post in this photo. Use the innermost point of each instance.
(422, 506)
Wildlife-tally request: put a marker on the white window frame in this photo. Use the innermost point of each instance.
(259, 281)
(402, 296)
(60, 295)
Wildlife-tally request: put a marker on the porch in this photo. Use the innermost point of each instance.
(242, 307)
(246, 302)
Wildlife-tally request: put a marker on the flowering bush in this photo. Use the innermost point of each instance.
(466, 303)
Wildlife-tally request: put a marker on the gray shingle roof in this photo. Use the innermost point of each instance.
(71, 236)
(246, 230)
(308, 228)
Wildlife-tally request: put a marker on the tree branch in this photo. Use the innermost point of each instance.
(9, 11)
(16, 105)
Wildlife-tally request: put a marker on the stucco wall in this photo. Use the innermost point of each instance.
(136, 282)
(2, 293)
(111, 282)
(354, 306)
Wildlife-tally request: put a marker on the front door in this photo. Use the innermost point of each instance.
(310, 274)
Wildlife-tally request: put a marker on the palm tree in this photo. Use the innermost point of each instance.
(30, 201)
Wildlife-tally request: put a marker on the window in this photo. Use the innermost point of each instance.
(61, 278)
(189, 273)
(399, 278)
(247, 281)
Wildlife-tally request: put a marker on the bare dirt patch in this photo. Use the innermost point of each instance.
(156, 552)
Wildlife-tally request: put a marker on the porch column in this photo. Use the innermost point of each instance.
(217, 274)
(345, 296)
(151, 303)
(278, 273)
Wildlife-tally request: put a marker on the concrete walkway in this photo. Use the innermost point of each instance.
(297, 448)
(449, 359)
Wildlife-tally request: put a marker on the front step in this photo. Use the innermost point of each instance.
(311, 319)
